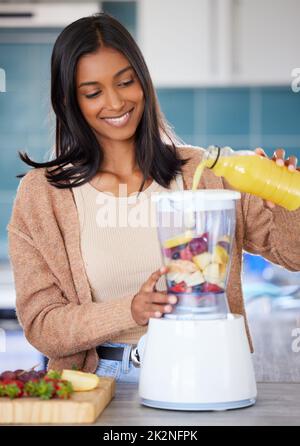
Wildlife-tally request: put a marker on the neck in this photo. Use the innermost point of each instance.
(119, 158)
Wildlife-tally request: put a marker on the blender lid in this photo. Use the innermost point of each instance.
(203, 194)
(203, 199)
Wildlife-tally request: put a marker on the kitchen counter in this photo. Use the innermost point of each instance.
(277, 371)
(277, 404)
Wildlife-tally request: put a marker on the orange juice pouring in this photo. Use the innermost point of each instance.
(248, 172)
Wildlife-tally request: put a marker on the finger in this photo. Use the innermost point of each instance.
(149, 285)
(269, 204)
(160, 308)
(163, 298)
(278, 156)
(291, 162)
(154, 314)
(260, 151)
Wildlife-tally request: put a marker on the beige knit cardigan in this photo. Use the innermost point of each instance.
(53, 297)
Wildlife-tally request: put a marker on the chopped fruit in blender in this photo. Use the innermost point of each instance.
(197, 288)
(178, 277)
(199, 244)
(181, 266)
(211, 273)
(185, 254)
(195, 279)
(171, 283)
(220, 255)
(211, 288)
(167, 252)
(202, 260)
(224, 242)
(181, 252)
(178, 240)
(223, 269)
(179, 288)
(224, 245)
(175, 253)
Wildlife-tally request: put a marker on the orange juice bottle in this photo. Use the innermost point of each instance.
(248, 172)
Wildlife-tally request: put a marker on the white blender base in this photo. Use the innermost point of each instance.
(198, 407)
(196, 365)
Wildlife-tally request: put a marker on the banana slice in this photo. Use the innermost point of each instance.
(81, 381)
(180, 239)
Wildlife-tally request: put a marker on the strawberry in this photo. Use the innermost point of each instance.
(45, 390)
(48, 379)
(34, 384)
(54, 374)
(211, 288)
(31, 388)
(2, 389)
(12, 388)
(64, 389)
(179, 287)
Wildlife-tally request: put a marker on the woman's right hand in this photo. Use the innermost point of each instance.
(150, 303)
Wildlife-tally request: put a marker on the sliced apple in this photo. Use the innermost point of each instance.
(202, 260)
(181, 266)
(178, 277)
(195, 279)
(211, 273)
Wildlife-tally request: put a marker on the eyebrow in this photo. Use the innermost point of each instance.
(114, 76)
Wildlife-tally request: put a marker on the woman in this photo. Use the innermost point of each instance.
(85, 294)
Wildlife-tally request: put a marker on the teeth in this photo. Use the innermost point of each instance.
(116, 120)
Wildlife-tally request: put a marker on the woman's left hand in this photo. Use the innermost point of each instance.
(278, 157)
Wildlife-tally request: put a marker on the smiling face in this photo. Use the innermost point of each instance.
(109, 95)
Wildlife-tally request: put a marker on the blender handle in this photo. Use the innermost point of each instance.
(137, 352)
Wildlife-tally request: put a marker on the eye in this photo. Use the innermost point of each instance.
(124, 84)
(93, 95)
(127, 82)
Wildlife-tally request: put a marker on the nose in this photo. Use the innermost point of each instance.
(114, 100)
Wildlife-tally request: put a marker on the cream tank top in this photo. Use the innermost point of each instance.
(119, 241)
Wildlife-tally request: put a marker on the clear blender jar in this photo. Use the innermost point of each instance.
(196, 230)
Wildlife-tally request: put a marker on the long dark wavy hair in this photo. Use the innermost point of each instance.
(75, 142)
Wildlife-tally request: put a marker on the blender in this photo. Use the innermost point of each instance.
(197, 357)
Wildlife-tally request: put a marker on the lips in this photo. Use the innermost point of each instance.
(119, 122)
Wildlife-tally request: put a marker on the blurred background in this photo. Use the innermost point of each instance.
(227, 72)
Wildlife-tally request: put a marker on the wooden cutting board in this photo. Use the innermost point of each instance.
(82, 407)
